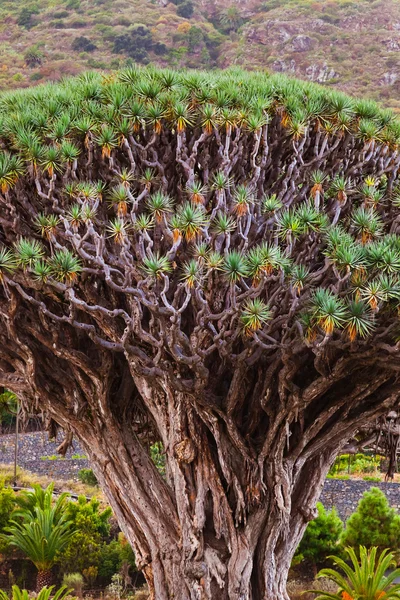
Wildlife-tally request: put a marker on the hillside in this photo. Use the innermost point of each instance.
(354, 46)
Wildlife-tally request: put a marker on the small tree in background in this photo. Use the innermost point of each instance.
(321, 537)
(374, 523)
(91, 526)
(40, 529)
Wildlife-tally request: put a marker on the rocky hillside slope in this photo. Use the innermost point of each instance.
(350, 45)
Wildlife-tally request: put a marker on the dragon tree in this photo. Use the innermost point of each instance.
(210, 262)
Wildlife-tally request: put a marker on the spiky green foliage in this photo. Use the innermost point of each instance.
(40, 533)
(365, 577)
(44, 594)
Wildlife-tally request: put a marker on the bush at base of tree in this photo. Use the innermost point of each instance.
(321, 537)
(88, 477)
(91, 526)
(112, 556)
(374, 523)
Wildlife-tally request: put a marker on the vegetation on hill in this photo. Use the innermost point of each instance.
(350, 45)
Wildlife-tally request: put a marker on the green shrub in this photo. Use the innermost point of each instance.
(91, 527)
(33, 56)
(158, 457)
(73, 581)
(112, 556)
(87, 476)
(7, 505)
(373, 523)
(185, 9)
(74, 4)
(322, 536)
(25, 17)
(83, 44)
(36, 77)
(356, 464)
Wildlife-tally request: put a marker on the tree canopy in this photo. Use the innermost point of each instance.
(210, 261)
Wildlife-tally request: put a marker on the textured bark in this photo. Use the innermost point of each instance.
(44, 579)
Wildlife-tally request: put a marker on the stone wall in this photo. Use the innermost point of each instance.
(39, 455)
(345, 494)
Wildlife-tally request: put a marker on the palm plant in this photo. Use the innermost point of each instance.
(40, 538)
(40, 529)
(42, 498)
(44, 594)
(366, 578)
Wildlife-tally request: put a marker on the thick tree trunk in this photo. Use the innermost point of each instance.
(192, 534)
